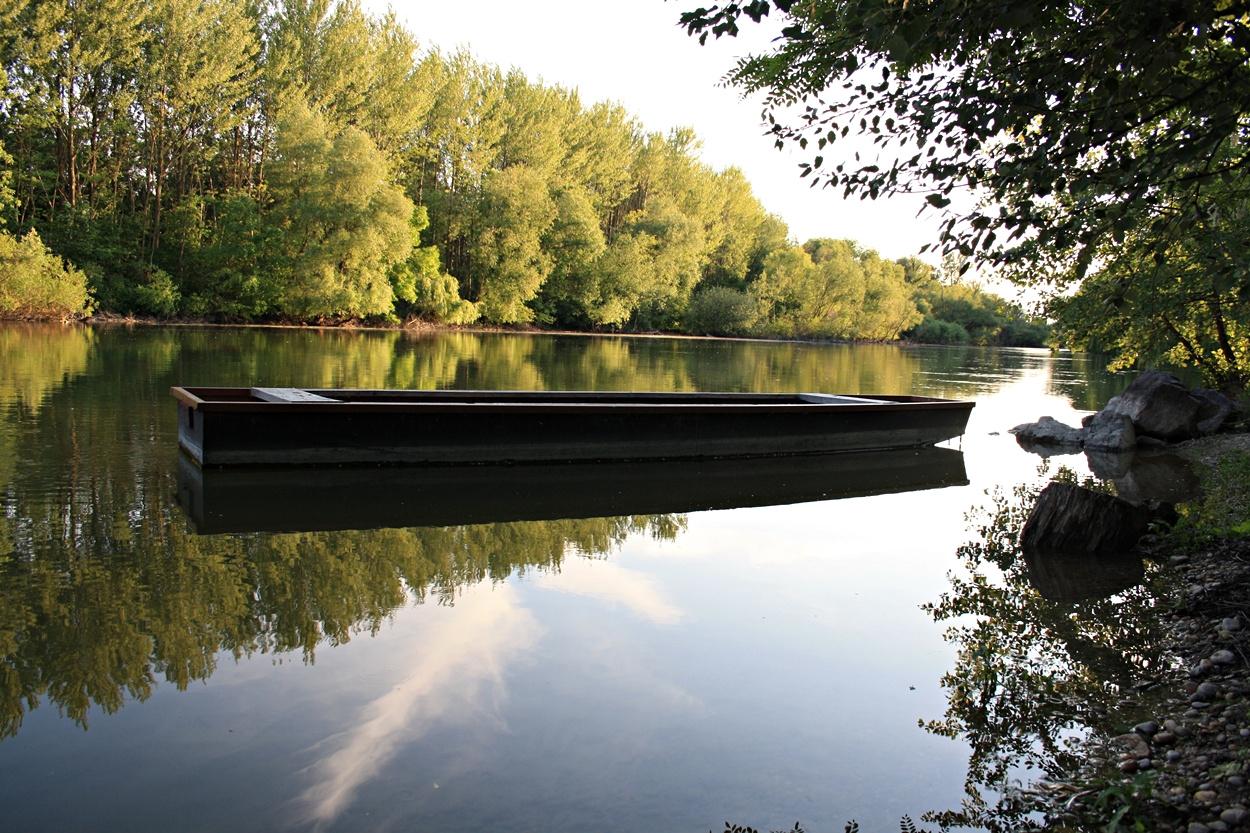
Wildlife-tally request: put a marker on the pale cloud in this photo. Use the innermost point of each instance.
(457, 671)
(616, 585)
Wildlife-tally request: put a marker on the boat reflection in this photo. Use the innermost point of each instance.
(313, 499)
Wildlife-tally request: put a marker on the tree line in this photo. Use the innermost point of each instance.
(307, 161)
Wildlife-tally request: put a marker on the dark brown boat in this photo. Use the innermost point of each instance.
(226, 427)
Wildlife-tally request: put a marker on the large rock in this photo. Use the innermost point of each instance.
(1070, 519)
(1048, 431)
(1109, 431)
(1159, 405)
(1214, 409)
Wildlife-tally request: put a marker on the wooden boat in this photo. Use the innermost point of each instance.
(298, 427)
(240, 499)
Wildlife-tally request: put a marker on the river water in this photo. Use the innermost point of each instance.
(666, 671)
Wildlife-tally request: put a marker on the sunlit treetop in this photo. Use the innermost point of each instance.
(1074, 122)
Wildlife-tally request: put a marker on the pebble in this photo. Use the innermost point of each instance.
(1129, 767)
(1146, 728)
(1231, 624)
(1204, 795)
(1217, 826)
(1224, 657)
(1145, 763)
(1206, 692)
(1195, 827)
(1236, 781)
(1173, 756)
(1233, 816)
(1165, 738)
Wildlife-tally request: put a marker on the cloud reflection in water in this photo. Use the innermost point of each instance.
(457, 672)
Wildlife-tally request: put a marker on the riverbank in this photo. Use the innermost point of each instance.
(1187, 767)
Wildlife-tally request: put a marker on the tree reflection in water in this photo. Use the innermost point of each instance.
(91, 621)
(1038, 666)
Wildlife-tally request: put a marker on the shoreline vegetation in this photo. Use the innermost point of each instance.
(308, 162)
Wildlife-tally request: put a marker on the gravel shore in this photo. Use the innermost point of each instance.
(1187, 768)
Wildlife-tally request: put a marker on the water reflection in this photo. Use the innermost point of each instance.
(1049, 653)
(85, 628)
(278, 500)
(454, 674)
(744, 664)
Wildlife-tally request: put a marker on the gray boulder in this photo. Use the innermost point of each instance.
(1070, 519)
(1048, 431)
(1159, 405)
(1214, 409)
(1109, 431)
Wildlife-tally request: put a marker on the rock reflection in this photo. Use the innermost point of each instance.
(1047, 648)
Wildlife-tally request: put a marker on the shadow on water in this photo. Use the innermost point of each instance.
(1049, 647)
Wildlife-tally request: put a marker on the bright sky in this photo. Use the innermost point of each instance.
(632, 52)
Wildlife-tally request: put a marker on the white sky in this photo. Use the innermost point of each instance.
(634, 54)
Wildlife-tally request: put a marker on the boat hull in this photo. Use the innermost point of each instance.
(224, 427)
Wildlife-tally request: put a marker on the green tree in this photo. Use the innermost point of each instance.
(193, 88)
(421, 285)
(516, 212)
(1190, 308)
(342, 225)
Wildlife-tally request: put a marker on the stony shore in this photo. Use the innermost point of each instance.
(1187, 768)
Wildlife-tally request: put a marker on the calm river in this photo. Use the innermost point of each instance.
(668, 671)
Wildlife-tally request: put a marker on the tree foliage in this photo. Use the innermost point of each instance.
(1093, 137)
(35, 283)
(305, 160)
(1077, 121)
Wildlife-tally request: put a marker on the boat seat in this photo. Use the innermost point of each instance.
(832, 399)
(288, 395)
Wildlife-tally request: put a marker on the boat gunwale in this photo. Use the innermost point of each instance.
(241, 400)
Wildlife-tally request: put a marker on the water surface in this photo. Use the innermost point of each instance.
(662, 671)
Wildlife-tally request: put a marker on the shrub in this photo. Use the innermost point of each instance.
(37, 284)
(935, 331)
(721, 311)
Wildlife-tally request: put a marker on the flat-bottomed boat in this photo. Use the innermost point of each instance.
(224, 427)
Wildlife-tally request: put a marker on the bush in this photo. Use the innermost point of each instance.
(935, 331)
(720, 311)
(36, 284)
(1023, 333)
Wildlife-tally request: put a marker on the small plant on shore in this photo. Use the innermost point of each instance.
(1224, 508)
(1124, 802)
